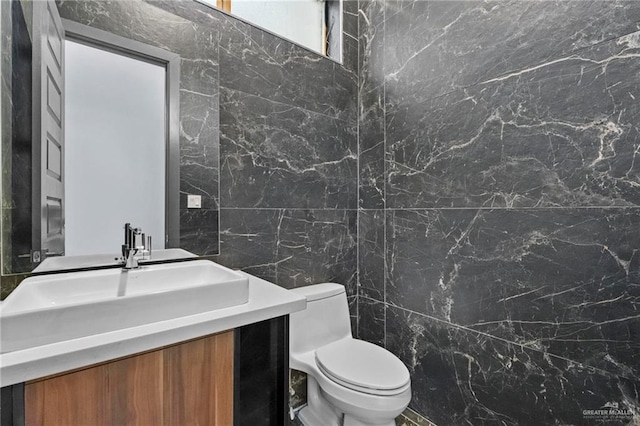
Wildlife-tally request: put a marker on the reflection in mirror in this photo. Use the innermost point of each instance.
(192, 115)
(120, 158)
(115, 114)
(69, 191)
(314, 24)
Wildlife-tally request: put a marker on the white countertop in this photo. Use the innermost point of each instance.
(266, 301)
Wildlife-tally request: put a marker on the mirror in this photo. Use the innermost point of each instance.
(313, 24)
(115, 109)
(28, 139)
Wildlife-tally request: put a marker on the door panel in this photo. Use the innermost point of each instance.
(48, 146)
(54, 158)
(54, 99)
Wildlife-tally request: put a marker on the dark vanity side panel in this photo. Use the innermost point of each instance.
(6, 406)
(12, 405)
(261, 373)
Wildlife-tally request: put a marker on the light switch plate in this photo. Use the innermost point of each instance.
(194, 201)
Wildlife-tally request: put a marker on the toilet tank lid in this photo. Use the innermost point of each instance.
(319, 291)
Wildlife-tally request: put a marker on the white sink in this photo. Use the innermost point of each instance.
(55, 308)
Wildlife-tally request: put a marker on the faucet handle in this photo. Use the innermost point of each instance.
(145, 246)
(136, 239)
(131, 237)
(127, 235)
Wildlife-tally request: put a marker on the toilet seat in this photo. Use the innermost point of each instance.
(363, 367)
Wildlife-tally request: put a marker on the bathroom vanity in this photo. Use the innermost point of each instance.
(187, 383)
(222, 366)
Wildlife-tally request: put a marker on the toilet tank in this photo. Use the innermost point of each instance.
(325, 320)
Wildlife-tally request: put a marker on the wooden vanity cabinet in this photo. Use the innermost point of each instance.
(234, 378)
(190, 383)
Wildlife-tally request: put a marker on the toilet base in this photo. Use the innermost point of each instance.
(309, 417)
(318, 411)
(350, 421)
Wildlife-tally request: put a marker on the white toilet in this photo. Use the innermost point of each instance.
(350, 382)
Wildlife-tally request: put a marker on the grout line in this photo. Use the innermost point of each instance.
(219, 149)
(592, 207)
(290, 208)
(358, 211)
(384, 171)
(514, 209)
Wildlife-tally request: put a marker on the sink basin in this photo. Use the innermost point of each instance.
(54, 308)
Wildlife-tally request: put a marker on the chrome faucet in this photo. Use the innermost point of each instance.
(136, 246)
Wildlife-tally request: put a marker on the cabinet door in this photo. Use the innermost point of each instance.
(199, 382)
(186, 384)
(125, 392)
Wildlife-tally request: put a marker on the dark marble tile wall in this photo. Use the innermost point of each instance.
(371, 135)
(563, 281)
(561, 133)
(16, 137)
(460, 376)
(199, 100)
(288, 152)
(371, 245)
(6, 117)
(498, 230)
(21, 135)
(277, 156)
(435, 47)
(290, 247)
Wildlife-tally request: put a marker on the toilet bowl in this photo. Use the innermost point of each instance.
(350, 382)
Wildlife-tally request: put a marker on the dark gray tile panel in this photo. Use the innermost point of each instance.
(371, 254)
(461, 377)
(561, 134)
(278, 156)
(563, 281)
(434, 47)
(291, 248)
